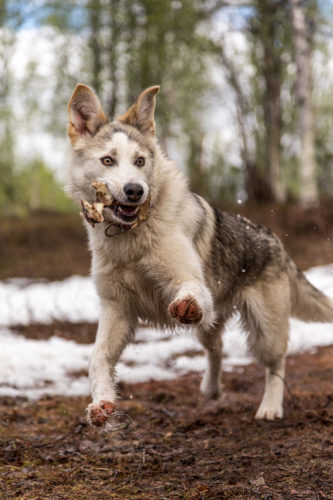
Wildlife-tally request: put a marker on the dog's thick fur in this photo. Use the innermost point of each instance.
(188, 263)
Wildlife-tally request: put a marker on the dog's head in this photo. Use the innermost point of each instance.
(119, 153)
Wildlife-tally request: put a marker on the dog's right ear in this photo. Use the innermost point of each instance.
(85, 113)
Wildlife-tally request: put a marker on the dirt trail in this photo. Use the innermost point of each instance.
(176, 446)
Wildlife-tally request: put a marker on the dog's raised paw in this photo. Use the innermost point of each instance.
(98, 413)
(185, 310)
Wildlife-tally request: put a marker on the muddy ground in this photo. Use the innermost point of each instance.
(174, 445)
(171, 443)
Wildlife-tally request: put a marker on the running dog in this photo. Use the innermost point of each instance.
(188, 263)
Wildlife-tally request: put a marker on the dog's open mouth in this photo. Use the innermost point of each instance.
(127, 213)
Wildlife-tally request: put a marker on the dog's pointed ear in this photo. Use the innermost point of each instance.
(141, 113)
(85, 113)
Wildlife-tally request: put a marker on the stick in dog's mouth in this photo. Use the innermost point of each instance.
(131, 215)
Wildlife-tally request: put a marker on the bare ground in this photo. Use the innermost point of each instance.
(173, 444)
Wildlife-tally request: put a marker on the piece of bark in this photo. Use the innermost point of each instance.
(103, 195)
(143, 213)
(93, 212)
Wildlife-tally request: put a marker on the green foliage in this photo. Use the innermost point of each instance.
(164, 46)
(7, 186)
(37, 189)
(119, 48)
(130, 45)
(31, 188)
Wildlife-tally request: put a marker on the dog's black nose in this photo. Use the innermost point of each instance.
(133, 191)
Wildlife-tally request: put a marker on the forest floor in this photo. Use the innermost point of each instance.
(171, 443)
(174, 445)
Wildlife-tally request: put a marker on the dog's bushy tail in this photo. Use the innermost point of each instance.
(307, 302)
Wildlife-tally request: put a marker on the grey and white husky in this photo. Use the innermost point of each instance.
(187, 263)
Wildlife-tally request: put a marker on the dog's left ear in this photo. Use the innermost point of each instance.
(141, 113)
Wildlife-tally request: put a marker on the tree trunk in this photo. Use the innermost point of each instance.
(95, 7)
(113, 57)
(302, 50)
(194, 164)
(273, 133)
(272, 73)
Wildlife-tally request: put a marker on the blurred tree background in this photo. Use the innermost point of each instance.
(246, 97)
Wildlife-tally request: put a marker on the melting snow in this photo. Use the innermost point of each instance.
(33, 367)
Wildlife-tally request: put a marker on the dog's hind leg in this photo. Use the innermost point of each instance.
(114, 332)
(212, 341)
(271, 406)
(265, 312)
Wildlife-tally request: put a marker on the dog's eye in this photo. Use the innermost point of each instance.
(140, 161)
(107, 161)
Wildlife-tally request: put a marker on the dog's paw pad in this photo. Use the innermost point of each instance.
(186, 310)
(98, 413)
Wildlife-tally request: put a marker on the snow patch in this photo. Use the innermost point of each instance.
(33, 368)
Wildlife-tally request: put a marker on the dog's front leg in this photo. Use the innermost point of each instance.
(113, 333)
(192, 301)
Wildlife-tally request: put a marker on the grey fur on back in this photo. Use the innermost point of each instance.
(241, 253)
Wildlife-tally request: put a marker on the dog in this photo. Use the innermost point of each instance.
(188, 263)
